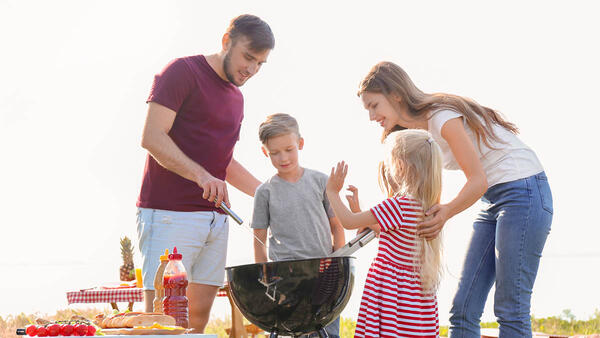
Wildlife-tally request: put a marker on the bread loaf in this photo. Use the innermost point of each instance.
(149, 319)
(119, 319)
(132, 319)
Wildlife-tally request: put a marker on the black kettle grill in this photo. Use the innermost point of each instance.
(292, 297)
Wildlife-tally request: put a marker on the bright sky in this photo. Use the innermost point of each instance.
(75, 76)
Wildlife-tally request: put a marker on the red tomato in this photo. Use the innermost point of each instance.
(53, 330)
(81, 329)
(42, 332)
(91, 330)
(31, 330)
(66, 330)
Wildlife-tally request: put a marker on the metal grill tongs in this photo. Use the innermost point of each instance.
(231, 213)
(347, 250)
(356, 243)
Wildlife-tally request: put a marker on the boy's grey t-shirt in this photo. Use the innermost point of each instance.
(297, 215)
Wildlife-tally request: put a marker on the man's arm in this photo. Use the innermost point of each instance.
(159, 144)
(337, 231)
(241, 178)
(260, 251)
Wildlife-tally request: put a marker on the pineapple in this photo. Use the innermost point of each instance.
(127, 270)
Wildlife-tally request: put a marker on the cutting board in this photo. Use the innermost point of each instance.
(153, 334)
(143, 332)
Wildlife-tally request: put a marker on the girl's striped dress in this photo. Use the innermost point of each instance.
(393, 304)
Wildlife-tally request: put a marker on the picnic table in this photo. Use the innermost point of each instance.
(113, 295)
(107, 295)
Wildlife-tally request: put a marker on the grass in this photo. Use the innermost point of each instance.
(563, 324)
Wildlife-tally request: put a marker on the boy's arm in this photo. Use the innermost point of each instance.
(241, 178)
(260, 251)
(337, 231)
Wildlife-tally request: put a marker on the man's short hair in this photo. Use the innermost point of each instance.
(255, 29)
(276, 125)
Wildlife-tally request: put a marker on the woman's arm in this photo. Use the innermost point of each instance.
(466, 156)
(348, 219)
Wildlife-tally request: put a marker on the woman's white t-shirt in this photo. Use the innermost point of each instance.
(511, 160)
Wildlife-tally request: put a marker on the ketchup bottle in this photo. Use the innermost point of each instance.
(175, 303)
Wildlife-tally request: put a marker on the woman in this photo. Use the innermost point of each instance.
(510, 232)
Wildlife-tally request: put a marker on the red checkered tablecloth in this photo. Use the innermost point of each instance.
(128, 295)
(99, 295)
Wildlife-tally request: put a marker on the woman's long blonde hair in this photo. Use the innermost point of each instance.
(390, 80)
(414, 167)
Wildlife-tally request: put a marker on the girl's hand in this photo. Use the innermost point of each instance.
(336, 178)
(353, 199)
(376, 228)
(431, 228)
(361, 230)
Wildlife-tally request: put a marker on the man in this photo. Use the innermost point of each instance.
(195, 110)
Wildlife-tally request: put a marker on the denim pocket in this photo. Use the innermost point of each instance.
(545, 192)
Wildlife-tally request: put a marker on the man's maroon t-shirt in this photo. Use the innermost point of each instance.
(206, 128)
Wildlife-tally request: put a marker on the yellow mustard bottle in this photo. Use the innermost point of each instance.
(159, 289)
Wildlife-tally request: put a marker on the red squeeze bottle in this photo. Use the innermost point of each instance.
(175, 303)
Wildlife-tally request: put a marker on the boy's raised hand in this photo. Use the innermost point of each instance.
(335, 183)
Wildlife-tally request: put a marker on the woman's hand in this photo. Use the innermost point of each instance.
(430, 228)
(353, 199)
(337, 177)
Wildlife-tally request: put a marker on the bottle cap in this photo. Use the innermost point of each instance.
(175, 255)
(165, 257)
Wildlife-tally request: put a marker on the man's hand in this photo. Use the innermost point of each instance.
(431, 228)
(215, 190)
(353, 199)
(337, 177)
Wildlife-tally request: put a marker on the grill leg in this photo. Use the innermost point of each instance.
(323, 333)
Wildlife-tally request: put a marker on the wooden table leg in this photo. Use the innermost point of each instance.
(114, 306)
(237, 319)
(130, 306)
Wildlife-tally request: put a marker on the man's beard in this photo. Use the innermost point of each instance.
(226, 70)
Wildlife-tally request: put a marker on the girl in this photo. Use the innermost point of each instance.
(399, 295)
(510, 232)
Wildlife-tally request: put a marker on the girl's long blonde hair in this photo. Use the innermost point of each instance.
(392, 81)
(414, 167)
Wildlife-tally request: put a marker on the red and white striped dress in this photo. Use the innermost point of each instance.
(393, 304)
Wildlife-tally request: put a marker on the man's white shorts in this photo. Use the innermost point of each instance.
(200, 236)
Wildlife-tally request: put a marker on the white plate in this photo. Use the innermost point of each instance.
(163, 336)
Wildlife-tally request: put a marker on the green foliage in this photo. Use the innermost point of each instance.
(347, 327)
(217, 326)
(564, 324)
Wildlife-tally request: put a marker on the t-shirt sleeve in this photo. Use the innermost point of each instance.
(389, 214)
(172, 85)
(440, 118)
(260, 214)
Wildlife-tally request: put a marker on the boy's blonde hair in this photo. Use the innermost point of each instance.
(276, 125)
(414, 167)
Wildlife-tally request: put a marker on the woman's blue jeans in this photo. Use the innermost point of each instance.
(506, 246)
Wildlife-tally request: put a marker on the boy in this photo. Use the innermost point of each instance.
(293, 203)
